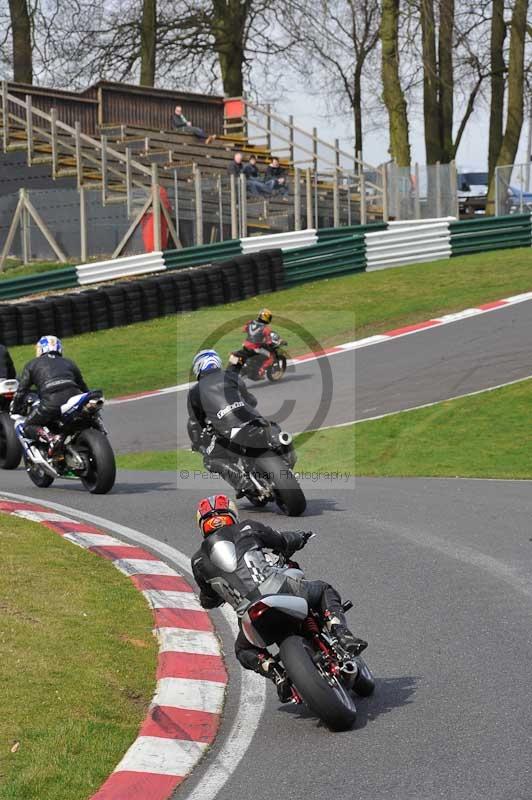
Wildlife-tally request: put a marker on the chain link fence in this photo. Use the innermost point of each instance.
(421, 191)
(513, 189)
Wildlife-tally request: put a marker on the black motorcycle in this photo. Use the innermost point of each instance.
(322, 674)
(82, 450)
(10, 449)
(248, 361)
(266, 455)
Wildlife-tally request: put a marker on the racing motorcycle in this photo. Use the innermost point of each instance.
(264, 453)
(82, 450)
(10, 449)
(322, 674)
(249, 361)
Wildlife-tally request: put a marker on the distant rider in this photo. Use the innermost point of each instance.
(231, 563)
(56, 380)
(259, 339)
(7, 368)
(221, 415)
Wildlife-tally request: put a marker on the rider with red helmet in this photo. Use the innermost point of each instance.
(231, 563)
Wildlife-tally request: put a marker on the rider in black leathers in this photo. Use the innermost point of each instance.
(7, 368)
(56, 380)
(220, 402)
(231, 564)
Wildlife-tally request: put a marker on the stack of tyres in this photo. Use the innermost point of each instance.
(150, 299)
(133, 301)
(262, 272)
(46, 317)
(115, 300)
(99, 315)
(183, 291)
(230, 281)
(246, 275)
(28, 323)
(81, 316)
(64, 317)
(8, 325)
(275, 258)
(167, 296)
(198, 285)
(215, 289)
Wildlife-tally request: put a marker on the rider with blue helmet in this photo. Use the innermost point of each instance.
(219, 408)
(56, 379)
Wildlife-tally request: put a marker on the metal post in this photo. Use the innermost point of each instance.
(454, 189)
(336, 200)
(349, 204)
(53, 132)
(337, 152)
(25, 227)
(316, 200)
(198, 204)
(79, 165)
(103, 140)
(220, 208)
(234, 207)
(362, 190)
(417, 203)
(5, 116)
(529, 146)
(83, 224)
(521, 178)
(297, 199)
(128, 181)
(385, 212)
(29, 128)
(397, 195)
(176, 203)
(156, 207)
(243, 206)
(315, 149)
(497, 191)
(309, 196)
(291, 136)
(269, 126)
(438, 190)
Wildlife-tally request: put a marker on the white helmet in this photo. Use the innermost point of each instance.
(205, 361)
(49, 344)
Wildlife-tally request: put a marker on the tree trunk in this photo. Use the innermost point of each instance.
(446, 80)
(516, 82)
(430, 83)
(498, 34)
(22, 44)
(148, 47)
(393, 95)
(229, 21)
(357, 107)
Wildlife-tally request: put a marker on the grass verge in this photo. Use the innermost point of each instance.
(158, 353)
(484, 436)
(14, 269)
(77, 667)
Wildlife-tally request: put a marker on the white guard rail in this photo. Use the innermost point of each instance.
(120, 268)
(284, 241)
(408, 244)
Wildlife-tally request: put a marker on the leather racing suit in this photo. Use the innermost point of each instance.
(7, 368)
(56, 379)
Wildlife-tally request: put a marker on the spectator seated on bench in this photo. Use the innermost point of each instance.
(182, 125)
(255, 186)
(276, 178)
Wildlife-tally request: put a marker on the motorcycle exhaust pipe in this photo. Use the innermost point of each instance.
(285, 438)
(349, 667)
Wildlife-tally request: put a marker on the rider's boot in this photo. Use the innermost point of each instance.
(232, 474)
(271, 669)
(352, 644)
(52, 440)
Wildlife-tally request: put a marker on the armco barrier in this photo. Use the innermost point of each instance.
(327, 234)
(40, 282)
(100, 271)
(326, 259)
(203, 254)
(408, 245)
(490, 233)
(284, 241)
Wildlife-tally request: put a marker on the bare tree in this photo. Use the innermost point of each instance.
(498, 69)
(22, 41)
(148, 42)
(393, 94)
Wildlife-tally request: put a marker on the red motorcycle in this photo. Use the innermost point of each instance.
(258, 361)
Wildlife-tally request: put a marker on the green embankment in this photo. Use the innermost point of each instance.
(77, 668)
(14, 269)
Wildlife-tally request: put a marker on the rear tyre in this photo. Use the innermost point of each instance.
(333, 704)
(10, 449)
(287, 491)
(101, 468)
(364, 684)
(277, 370)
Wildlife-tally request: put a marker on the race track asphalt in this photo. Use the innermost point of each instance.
(440, 572)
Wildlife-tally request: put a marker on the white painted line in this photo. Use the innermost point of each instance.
(41, 516)
(158, 598)
(252, 686)
(162, 756)
(94, 540)
(187, 641)
(141, 566)
(194, 695)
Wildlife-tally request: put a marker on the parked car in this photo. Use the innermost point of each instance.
(472, 192)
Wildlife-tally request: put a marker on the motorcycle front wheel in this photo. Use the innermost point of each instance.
(331, 702)
(277, 370)
(287, 491)
(10, 449)
(39, 477)
(100, 475)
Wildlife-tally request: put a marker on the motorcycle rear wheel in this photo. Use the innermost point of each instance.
(334, 705)
(277, 370)
(287, 491)
(10, 449)
(101, 473)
